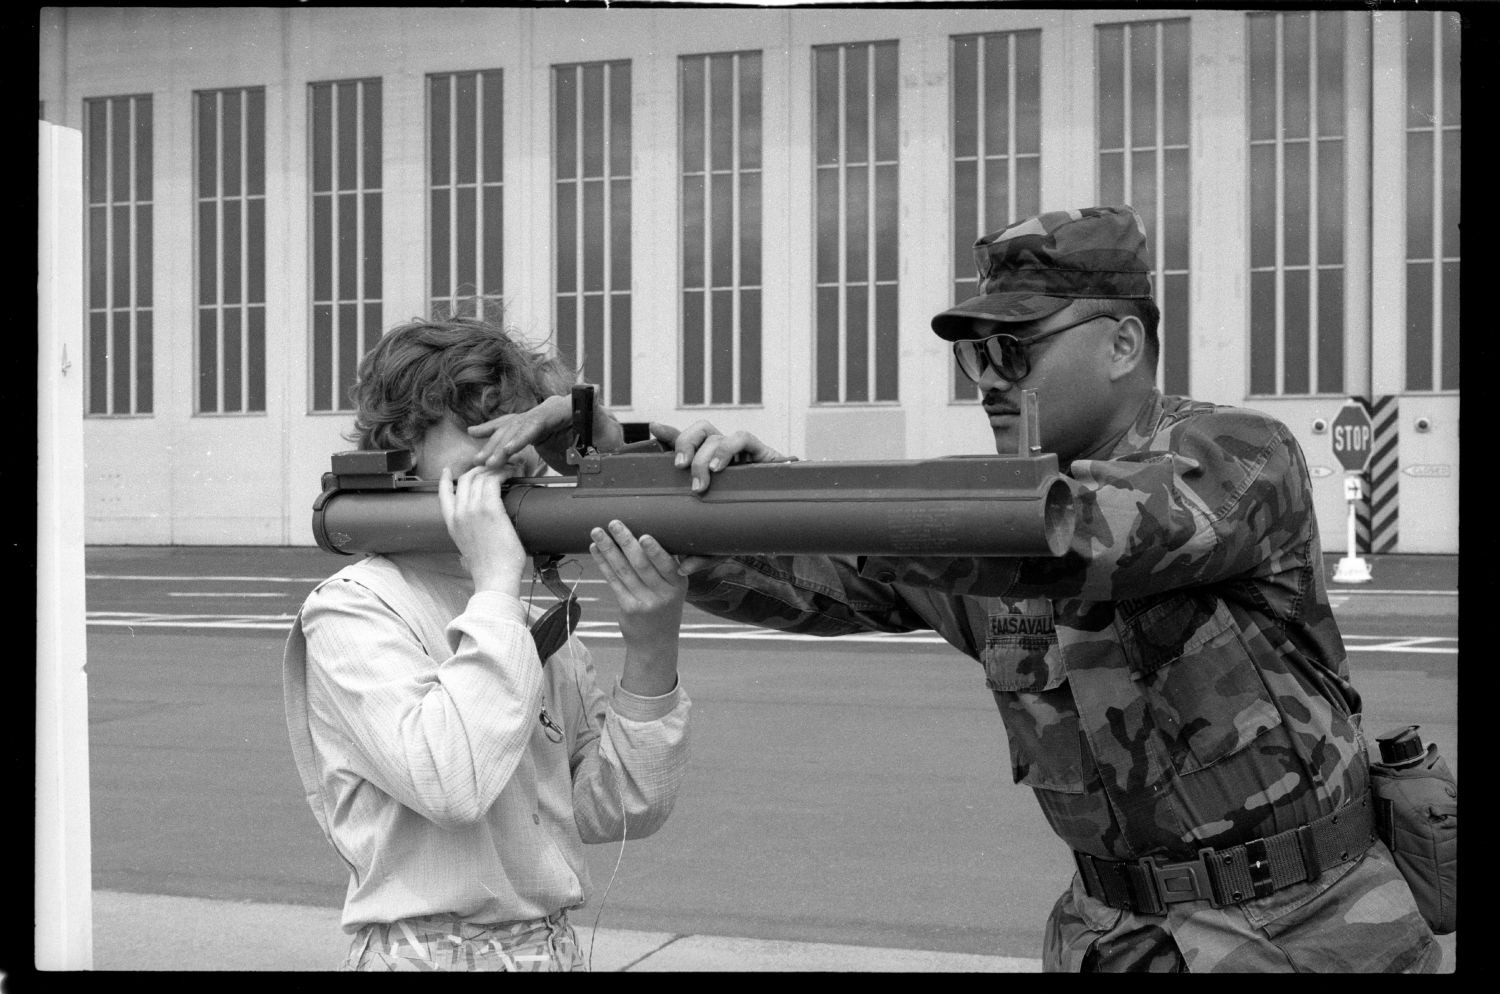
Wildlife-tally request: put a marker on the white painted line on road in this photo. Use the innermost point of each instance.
(263, 593)
(1398, 642)
(727, 631)
(224, 593)
(163, 577)
(1397, 647)
(175, 578)
(1399, 593)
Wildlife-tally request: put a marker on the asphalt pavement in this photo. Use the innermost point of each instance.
(150, 932)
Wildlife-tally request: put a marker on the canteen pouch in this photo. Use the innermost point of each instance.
(1416, 815)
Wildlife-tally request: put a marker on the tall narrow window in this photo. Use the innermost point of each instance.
(345, 142)
(1297, 170)
(721, 212)
(120, 311)
(465, 155)
(231, 239)
(1143, 104)
(856, 202)
(1432, 195)
(591, 108)
(997, 158)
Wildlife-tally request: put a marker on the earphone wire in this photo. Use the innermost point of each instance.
(624, 834)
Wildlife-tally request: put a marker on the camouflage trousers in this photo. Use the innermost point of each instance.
(1358, 918)
(448, 943)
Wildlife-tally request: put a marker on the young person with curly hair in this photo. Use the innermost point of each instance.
(457, 774)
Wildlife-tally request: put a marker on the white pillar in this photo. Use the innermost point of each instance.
(63, 908)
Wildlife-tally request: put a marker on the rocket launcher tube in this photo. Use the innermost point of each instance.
(1002, 505)
(955, 506)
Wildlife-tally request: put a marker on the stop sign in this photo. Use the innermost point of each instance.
(1353, 437)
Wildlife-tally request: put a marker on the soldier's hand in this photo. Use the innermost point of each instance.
(546, 427)
(707, 450)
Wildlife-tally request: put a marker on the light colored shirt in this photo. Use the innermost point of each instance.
(414, 708)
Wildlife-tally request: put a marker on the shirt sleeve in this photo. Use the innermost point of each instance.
(629, 758)
(441, 736)
(1220, 497)
(809, 595)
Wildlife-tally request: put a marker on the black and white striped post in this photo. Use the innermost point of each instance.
(1384, 479)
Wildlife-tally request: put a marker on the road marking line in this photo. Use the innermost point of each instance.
(178, 578)
(608, 629)
(224, 593)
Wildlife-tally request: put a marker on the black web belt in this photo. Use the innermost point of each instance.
(1238, 873)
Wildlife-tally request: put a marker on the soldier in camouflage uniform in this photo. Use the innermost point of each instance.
(1174, 688)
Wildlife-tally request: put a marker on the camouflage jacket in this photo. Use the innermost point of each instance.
(1175, 680)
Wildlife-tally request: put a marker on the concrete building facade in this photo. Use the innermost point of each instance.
(742, 215)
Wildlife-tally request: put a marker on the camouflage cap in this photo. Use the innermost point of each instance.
(1036, 267)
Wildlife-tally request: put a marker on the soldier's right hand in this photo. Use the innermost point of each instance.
(707, 450)
(475, 515)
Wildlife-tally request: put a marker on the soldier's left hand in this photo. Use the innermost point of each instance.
(546, 427)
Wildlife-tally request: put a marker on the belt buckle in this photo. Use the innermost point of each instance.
(1189, 881)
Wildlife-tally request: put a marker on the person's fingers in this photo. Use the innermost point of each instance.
(631, 546)
(626, 579)
(666, 434)
(445, 496)
(745, 447)
(504, 436)
(706, 461)
(688, 565)
(663, 561)
(497, 434)
(689, 439)
(486, 428)
(605, 568)
(504, 444)
(490, 484)
(464, 491)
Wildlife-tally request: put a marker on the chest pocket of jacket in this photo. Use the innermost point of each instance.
(1201, 687)
(1023, 667)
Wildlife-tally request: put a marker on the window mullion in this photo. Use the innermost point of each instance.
(451, 235)
(579, 185)
(705, 373)
(1011, 80)
(361, 94)
(606, 282)
(219, 302)
(709, 219)
(735, 261)
(1437, 199)
(334, 210)
(871, 224)
(479, 287)
(130, 257)
(1159, 169)
(843, 252)
(1314, 147)
(1280, 216)
(110, 109)
(244, 249)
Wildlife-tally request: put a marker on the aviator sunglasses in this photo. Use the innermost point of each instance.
(1007, 353)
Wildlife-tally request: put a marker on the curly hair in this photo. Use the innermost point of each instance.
(469, 368)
